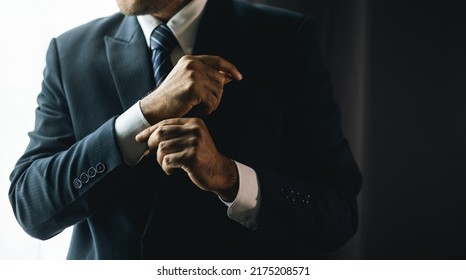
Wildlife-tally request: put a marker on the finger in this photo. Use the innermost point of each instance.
(146, 133)
(163, 133)
(216, 78)
(209, 104)
(227, 77)
(174, 146)
(221, 64)
(210, 89)
(176, 160)
(190, 128)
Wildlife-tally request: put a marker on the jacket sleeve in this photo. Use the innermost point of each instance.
(56, 183)
(311, 200)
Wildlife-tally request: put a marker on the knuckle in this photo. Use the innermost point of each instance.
(163, 146)
(192, 75)
(167, 160)
(190, 63)
(215, 107)
(212, 105)
(195, 127)
(160, 132)
(188, 86)
(197, 123)
(185, 58)
(193, 141)
(197, 131)
(214, 102)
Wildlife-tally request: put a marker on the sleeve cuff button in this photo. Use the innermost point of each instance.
(92, 172)
(100, 167)
(84, 178)
(77, 183)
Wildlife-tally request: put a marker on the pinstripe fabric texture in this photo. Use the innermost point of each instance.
(162, 43)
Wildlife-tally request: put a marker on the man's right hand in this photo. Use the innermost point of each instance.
(194, 81)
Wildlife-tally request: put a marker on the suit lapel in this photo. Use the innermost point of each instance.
(129, 62)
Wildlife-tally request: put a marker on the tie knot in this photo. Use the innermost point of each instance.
(162, 37)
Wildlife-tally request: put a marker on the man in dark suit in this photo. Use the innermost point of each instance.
(244, 124)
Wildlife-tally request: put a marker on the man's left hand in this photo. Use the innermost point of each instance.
(186, 143)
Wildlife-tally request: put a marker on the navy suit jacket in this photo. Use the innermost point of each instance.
(280, 120)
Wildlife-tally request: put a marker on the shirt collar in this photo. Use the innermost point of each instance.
(183, 24)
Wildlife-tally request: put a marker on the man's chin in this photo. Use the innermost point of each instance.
(134, 12)
(134, 9)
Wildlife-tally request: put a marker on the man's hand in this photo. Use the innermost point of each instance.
(194, 81)
(186, 143)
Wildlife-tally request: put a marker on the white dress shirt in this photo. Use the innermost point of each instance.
(244, 209)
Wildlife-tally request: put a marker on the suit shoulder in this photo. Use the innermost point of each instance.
(97, 28)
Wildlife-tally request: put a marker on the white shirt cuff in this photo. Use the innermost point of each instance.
(127, 126)
(245, 208)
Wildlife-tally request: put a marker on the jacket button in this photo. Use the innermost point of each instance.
(77, 183)
(84, 178)
(92, 172)
(100, 167)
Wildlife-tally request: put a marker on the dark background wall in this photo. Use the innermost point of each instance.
(399, 72)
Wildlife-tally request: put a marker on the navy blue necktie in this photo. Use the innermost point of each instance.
(162, 42)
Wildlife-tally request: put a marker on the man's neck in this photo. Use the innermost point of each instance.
(170, 11)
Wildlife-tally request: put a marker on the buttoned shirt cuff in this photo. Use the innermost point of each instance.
(245, 208)
(127, 126)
